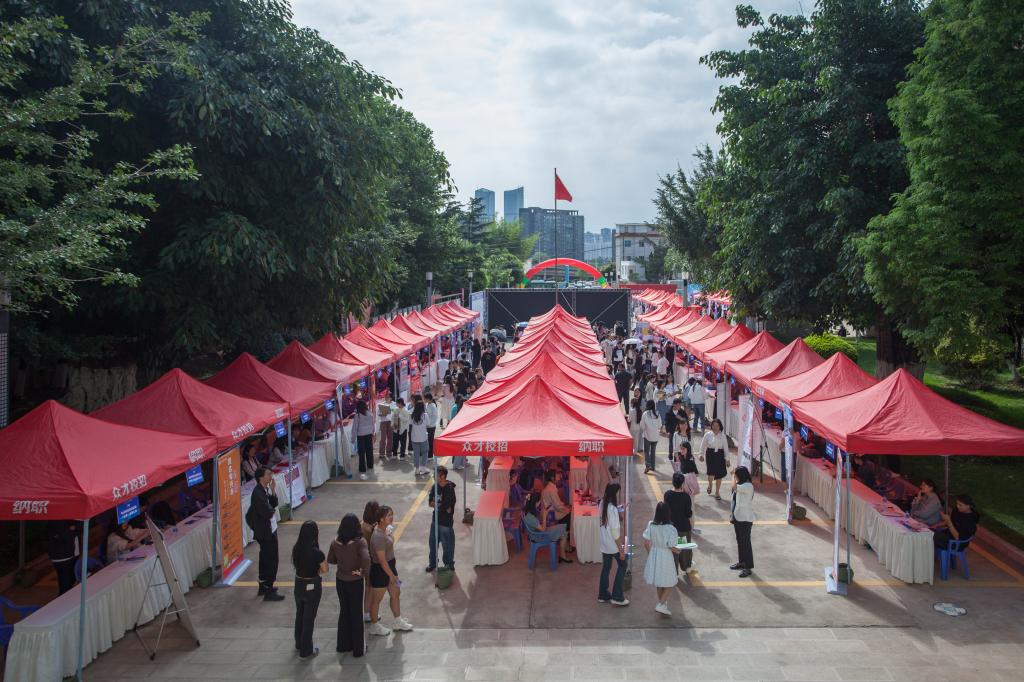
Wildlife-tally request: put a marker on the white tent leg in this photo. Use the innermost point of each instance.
(81, 602)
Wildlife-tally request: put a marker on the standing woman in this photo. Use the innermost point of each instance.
(384, 575)
(660, 542)
(713, 449)
(349, 552)
(310, 564)
(743, 519)
(650, 426)
(611, 549)
(634, 424)
(362, 429)
(369, 521)
(419, 436)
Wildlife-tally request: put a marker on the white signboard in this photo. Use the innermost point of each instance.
(747, 441)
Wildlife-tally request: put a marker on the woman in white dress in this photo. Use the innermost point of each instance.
(660, 542)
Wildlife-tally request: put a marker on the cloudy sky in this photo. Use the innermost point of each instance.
(610, 93)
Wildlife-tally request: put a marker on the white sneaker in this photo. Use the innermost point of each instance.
(401, 624)
(379, 630)
(362, 477)
(624, 602)
(662, 608)
(366, 616)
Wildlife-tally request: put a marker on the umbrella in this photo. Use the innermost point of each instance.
(634, 342)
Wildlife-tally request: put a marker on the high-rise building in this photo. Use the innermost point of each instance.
(559, 232)
(598, 247)
(486, 198)
(513, 202)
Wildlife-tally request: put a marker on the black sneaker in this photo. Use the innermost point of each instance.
(262, 591)
(431, 569)
(273, 596)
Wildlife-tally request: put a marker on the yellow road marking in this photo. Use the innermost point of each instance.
(372, 482)
(400, 528)
(998, 563)
(695, 581)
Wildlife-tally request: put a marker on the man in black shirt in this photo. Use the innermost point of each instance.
(60, 536)
(487, 361)
(445, 520)
(622, 381)
(679, 503)
(262, 508)
(672, 419)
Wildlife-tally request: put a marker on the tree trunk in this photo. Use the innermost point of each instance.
(892, 352)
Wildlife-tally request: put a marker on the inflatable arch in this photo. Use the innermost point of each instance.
(552, 262)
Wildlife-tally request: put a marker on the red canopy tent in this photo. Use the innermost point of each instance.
(730, 339)
(62, 464)
(900, 415)
(389, 333)
(414, 323)
(349, 353)
(250, 378)
(675, 328)
(836, 377)
(437, 314)
(177, 403)
(688, 338)
(299, 361)
(361, 336)
(761, 346)
(794, 358)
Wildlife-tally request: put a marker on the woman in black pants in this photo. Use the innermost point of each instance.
(743, 519)
(310, 564)
(352, 556)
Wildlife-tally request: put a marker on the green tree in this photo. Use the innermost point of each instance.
(63, 217)
(654, 264)
(949, 257)
(810, 157)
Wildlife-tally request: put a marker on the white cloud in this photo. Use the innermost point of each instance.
(609, 92)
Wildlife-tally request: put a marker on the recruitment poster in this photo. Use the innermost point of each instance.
(230, 528)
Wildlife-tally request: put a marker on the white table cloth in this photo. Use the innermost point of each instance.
(321, 458)
(906, 552)
(490, 547)
(282, 486)
(498, 474)
(577, 473)
(586, 528)
(44, 646)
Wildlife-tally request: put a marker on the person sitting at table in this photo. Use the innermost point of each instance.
(122, 539)
(305, 435)
(250, 462)
(553, 501)
(866, 471)
(535, 519)
(261, 448)
(161, 514)
(960, 524)
(926, 506)
(278, 453)
(806, 447)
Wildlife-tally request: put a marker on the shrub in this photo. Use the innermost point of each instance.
(827, 345)
(971, 364)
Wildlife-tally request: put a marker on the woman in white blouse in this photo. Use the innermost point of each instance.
(743, 519)
(714, 449)
(650, 428)
(124, 538)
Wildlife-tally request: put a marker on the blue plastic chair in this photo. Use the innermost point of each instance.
(536, 543)
(7, 629)
(511, 520)
(947, 557)
(94, 565)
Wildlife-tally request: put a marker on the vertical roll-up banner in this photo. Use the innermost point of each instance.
(230, 518)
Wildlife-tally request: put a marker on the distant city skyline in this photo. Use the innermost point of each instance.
(612, 94)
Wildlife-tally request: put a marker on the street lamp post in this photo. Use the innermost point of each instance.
(469, 297)
(430, 288)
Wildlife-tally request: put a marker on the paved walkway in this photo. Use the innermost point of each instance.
(508, 623)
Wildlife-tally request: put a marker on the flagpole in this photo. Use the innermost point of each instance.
(556, 237)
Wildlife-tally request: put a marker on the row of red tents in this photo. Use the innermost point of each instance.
(62, 464)
(550, 395)
(841, 402)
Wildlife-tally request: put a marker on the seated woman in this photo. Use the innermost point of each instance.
(866, 471)
(926, 507)
(123, 538)
(250, 462)
(534, 516)
(962, 524)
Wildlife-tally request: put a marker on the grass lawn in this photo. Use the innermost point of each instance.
(995, 482)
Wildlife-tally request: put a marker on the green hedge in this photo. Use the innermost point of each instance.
(827, 345)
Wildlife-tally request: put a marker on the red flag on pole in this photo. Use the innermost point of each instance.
(561, 193)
